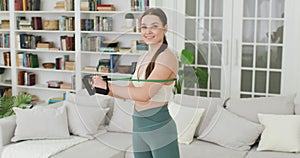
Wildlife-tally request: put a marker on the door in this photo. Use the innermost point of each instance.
(241, 44)
(258, 48)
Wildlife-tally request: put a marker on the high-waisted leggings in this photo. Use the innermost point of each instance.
(154, 134)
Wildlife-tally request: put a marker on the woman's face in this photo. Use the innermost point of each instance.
(152, 29)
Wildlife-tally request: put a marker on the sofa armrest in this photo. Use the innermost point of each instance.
(7, 129)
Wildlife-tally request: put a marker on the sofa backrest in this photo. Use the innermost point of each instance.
(209, 104)
(250, 107)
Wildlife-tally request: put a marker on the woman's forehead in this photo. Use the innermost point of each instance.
(150, 20)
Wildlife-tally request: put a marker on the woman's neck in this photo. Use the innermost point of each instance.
(154, 47)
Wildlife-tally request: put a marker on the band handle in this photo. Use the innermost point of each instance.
(101, 90)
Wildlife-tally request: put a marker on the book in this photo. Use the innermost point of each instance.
(21, 77)
(6, 57)
(37, 23)
(19, 59)
(34, 61)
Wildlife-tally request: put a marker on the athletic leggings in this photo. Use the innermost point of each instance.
(154, 134)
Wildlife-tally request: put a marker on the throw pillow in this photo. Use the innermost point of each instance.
(209, 104)
(84, 99)
(229, 130)
(250, 107)
(84, 120)
(121, 120)
(186, 119)
(41, 123)
(281, 133)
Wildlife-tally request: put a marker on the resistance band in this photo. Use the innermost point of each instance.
(88, 81)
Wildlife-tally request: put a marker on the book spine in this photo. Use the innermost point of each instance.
(111, 64)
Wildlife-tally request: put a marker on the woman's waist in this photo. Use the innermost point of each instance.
(141, 106)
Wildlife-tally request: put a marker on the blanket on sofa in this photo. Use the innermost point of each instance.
(40, 148)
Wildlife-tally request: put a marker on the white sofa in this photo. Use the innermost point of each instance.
(112, 144)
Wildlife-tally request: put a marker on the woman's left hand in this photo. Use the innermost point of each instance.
(98, 82)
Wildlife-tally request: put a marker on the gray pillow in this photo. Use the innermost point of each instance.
(41, 123)
(209, 104)
(84, 120)
(250, 107)
(231, 131)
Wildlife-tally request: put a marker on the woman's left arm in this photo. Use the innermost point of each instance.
(166, 67)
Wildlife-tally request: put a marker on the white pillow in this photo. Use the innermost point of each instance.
(41, 123)
(229, 130)
(282, 133)
(84, 99)
(121, 120)
(84, 120)
(186, 119)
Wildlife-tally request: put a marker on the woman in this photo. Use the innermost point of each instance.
(154, 130)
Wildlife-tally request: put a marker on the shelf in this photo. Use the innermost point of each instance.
(6, 67)
(4, 30)
(111, 12)
(43, 87)
(5, 84)
(4, 12)
(111, 32)
(45, 51)
(110, 53)
(45, 31)
(4, 49)
(44, 12)
(43, 69)
(107, 74)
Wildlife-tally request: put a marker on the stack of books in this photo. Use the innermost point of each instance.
(55, 100)
(4, 40)
(37, 23)
(26, 78)
(27, 60)
(4, 24)
(60, 6)
(106, 7)
(25, 25)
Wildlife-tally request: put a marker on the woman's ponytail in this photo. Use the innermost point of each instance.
(151, 65)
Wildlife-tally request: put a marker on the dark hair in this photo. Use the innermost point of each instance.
(162, 16)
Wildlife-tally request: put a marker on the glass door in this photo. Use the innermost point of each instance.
(206, 38)
(257, 44)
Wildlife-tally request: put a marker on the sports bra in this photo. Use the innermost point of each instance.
(164, 94)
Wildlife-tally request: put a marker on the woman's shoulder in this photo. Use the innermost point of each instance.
(167, 54)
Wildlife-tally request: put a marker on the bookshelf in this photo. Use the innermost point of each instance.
(80, 57)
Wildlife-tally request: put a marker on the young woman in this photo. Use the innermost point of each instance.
(154, 130)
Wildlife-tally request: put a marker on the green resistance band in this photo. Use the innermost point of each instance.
(139, 80)
(87, 81)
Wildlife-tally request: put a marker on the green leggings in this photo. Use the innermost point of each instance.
(154, 134)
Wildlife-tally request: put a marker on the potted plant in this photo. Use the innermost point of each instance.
(8, 102)
(198, 75)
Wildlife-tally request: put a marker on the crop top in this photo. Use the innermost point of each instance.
(164, 94)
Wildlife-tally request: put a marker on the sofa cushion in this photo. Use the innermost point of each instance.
(108, 145)
(82, 97)
(253, 153)
(282, 133)
(186, 119)
(202, 149)
(84, 120)
(41, 123)
(121, 120)
(229, 130)
(250, 107)
(209, 104)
